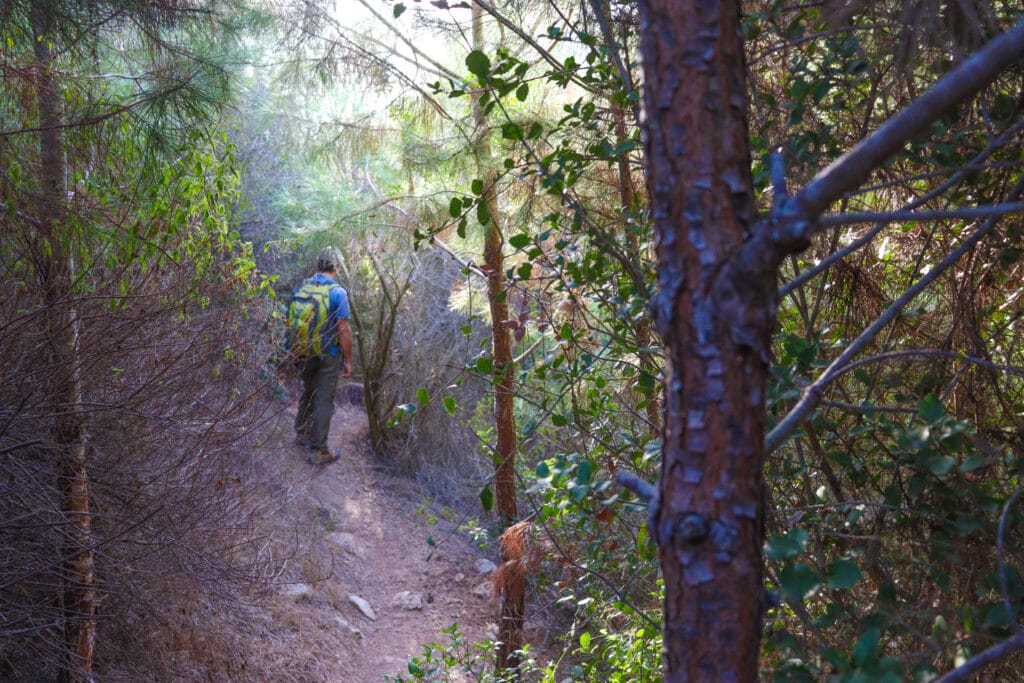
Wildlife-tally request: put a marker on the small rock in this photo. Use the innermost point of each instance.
(347, 542)
(408, 600)
(363, 607)
(484, 590)
(460, 577)
(485, 566)
(348, 627)
(299, 591)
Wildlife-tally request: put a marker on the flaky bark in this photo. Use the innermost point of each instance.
(715, 309)
(69, 435)
(510, 627)
(716, 322)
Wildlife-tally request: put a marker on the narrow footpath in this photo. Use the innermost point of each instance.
(357, 595)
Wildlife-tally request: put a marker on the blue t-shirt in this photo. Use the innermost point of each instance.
(338, 310)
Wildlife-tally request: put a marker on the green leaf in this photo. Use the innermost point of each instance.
(645, 382)
(559, 420)
(583, 471)
(524, 271)
(585, 640)
(487, 498)
(397, 10)
(972, 462)
(512, 131)
(449, 404)
(484, 365)
(455, 207)
(522, 91)
(941, 465)
(478, 64)
(519, 241)
(535, 130)
(931, 409)
(843, 574)
(478, 186)
(422, 396)
(483, 214)
(798, 580)
(866, 649)
(782, 547)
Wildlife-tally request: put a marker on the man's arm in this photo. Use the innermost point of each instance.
(345, 341)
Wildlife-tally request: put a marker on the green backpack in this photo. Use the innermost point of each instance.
(308, 312)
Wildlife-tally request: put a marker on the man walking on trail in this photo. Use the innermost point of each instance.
(318, 340)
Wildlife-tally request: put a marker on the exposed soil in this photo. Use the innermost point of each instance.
(351, 529)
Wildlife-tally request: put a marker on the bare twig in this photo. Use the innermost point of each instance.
(852, 169)
(983, 659)
(813, 394)
(968, 212)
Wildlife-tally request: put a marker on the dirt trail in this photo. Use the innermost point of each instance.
(353, 530)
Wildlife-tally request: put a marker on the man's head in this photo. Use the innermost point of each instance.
(325, 265)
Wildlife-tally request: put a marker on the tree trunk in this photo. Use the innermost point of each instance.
(69, 434)
(716, 317)
(510, 626)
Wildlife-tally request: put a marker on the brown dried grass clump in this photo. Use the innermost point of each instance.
(522, 553)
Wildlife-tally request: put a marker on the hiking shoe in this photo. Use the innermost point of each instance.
(303, 443)
(323, 457)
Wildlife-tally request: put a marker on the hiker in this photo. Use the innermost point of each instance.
(318, 333)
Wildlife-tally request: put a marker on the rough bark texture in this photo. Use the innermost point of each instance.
(54, 267)
(715, 313)
(510, 625)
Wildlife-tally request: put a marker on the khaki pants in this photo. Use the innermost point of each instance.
(316, 406)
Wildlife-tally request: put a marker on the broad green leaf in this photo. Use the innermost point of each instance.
(483, 214)
(478, 64)
(449, 404)
(972, 462)
(524, 271)
(522, 92)
(941, 465)
(478, 186)
(843, 574)
(798, 580)
(519, 241)
(782, 547)
(422, 396)
(931, 409)
(866, 650)
(484, 365)
(487, 498)
(585, 640)
(398, 10)
(512, 131)
(455, 207)
(583, 471)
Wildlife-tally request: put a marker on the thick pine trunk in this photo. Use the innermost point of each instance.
(715, 315)
(510, 626)
(69, 434)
